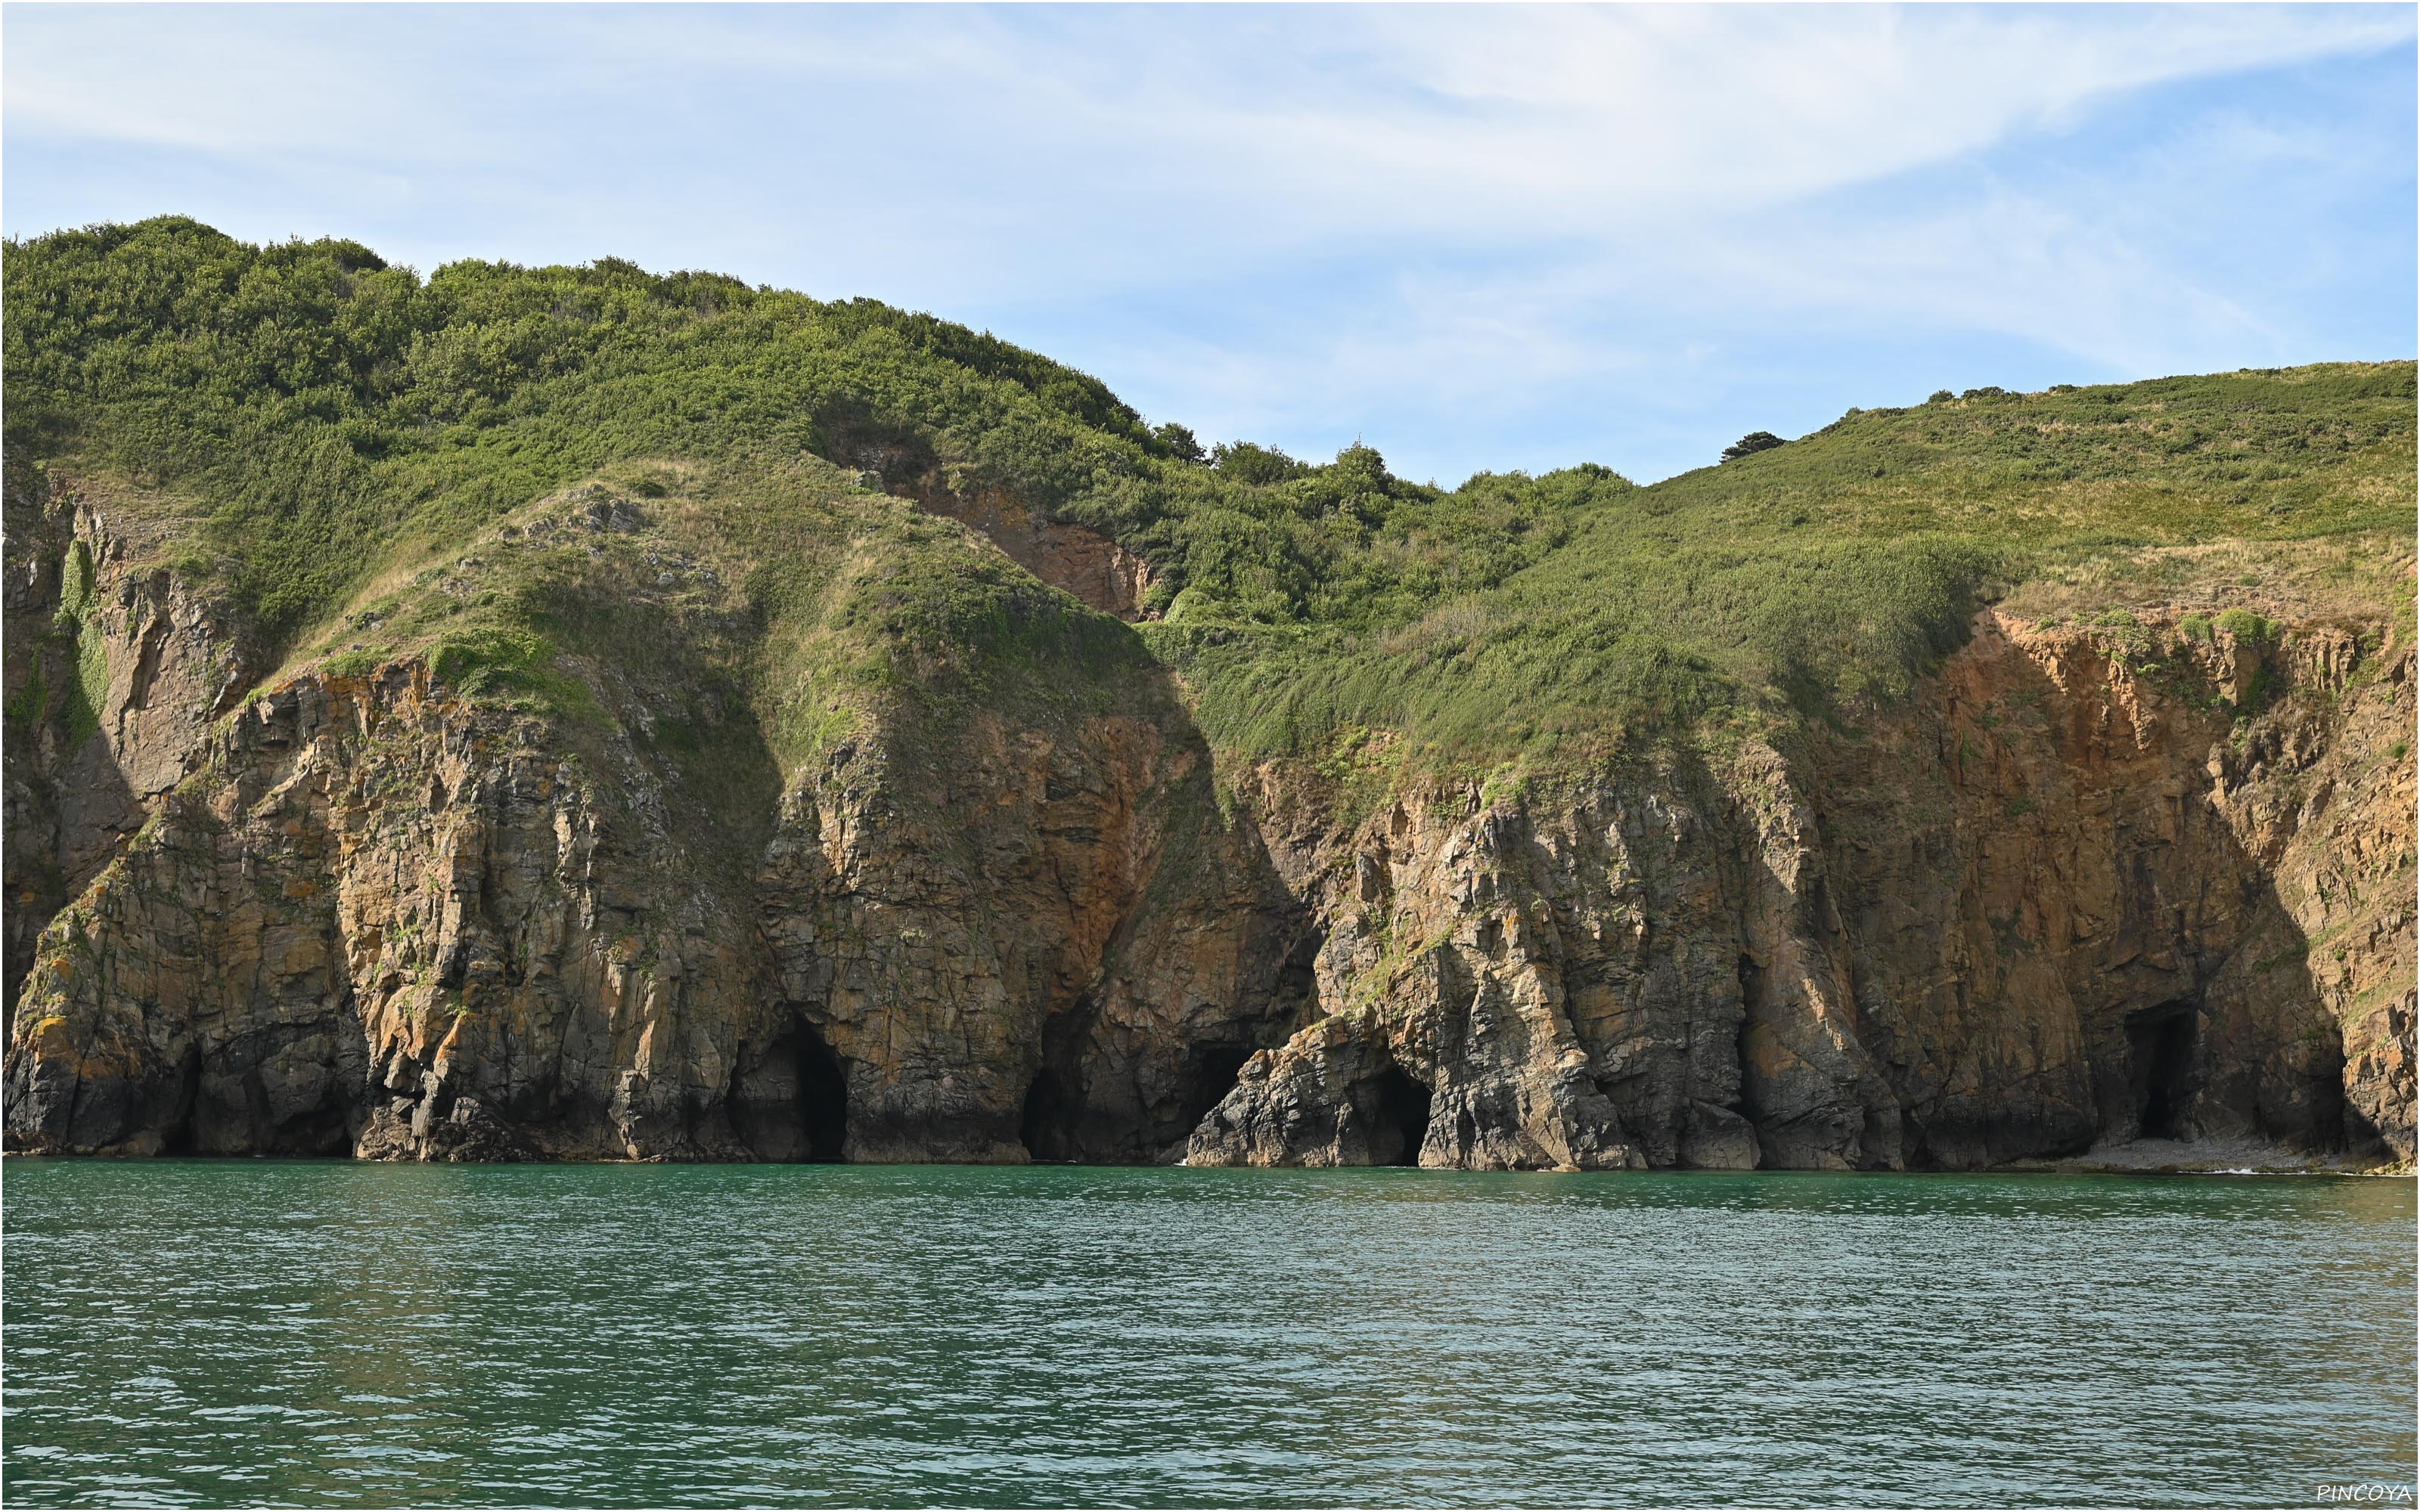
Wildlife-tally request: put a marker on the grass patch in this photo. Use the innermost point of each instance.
(340, 427)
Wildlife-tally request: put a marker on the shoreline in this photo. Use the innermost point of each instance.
(2143, 1157)
(2241, 1156)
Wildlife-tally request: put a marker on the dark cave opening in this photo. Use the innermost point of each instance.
(823, 1097)
(1210, 1075)
(2160, 1043)
(177, 1128)
(792, 1104)
(1404, 1111)
(1046, 1124)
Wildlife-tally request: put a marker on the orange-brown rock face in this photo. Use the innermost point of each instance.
(2091, 884)
(2086, 904)
(365, 915)
(2065, 899)
(1045, 947)
(136, 663)
(1085, 562)
(1629, 971)
(374, 923)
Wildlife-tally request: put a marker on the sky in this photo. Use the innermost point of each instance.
(1476, 239)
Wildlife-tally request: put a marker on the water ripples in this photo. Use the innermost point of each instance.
(199, 1333)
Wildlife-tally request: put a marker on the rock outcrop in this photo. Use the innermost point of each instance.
(368, 915)
(114, 667)
(2077, 892)
(1069, 557)
(2090, 882)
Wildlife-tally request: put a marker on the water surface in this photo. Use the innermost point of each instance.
(197, 1332)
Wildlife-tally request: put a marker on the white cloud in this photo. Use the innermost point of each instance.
(1566, 117)
(1464, 209)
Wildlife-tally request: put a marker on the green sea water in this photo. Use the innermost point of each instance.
(248, 1332)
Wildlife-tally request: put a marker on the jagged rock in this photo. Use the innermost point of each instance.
(596, 508)
(363, 913)
(2044, 907)
(2045, 903)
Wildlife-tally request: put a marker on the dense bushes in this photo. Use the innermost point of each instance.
(313, 401)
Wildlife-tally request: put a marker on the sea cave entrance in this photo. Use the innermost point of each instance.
(1210, 1074)
(1047, 1122)
(793, 1106)
(2159, 1047)
(823, 1098)
(1403, 1113)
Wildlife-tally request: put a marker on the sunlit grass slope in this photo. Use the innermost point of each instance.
(321, 412)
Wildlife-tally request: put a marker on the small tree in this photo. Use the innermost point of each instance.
(1250, 464)
(1180, 441)
(1751, 443)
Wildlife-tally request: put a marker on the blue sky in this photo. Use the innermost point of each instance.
(1498, 238)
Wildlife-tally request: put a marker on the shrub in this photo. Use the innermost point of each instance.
(503, 663)
(1179, 442)
(1251, 464)
(2245, 626)
(1751, 443)
(316, 407)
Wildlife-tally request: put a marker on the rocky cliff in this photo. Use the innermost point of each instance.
(2077, 892)
(2098, 878)
(362, 912)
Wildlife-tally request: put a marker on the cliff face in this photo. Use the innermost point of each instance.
(2105, 907)
(130, 665)
(2063, 899)
(365, 913)
(2093, 882)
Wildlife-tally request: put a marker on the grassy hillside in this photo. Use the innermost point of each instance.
(323, 414)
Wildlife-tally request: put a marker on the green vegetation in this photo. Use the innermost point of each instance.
(1751, 443)
(2245, 626)
(344, 431)
(87, 653)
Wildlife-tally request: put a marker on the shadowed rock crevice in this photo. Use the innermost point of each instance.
(2160, 1044)
(1054, 1122)
(1403, 1105)
(791, 1105)
(1045, 1125)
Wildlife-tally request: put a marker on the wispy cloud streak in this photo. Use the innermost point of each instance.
(1549, 231)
